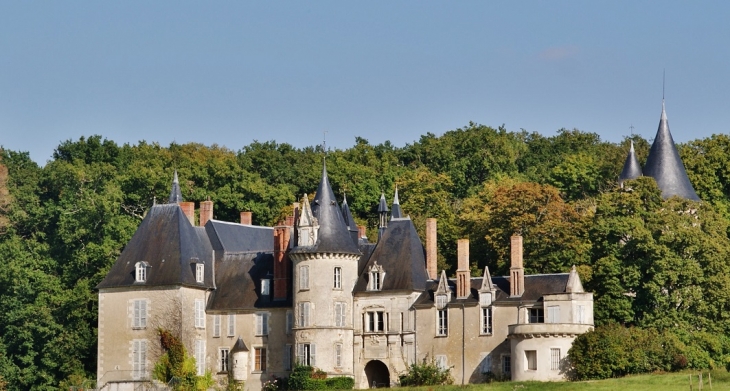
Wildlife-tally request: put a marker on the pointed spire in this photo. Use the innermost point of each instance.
(443, 283)
(574, 284)
(396, 212)
(175, 194)
(333, 235)
(487, 281)
(383, 215)
(349, 220)
(632, 168)
(665, 165)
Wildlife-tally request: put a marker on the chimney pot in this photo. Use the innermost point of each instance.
(517, 270)
(246, 218)
(431, 251)
(206, 212)
(188, 209)
(462, 272)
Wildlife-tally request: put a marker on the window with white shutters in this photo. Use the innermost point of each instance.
(216, 325)
(306, 354)
(441, 361)
(553, 314)
(200, 356)
(338, 355)
(580, 312)
(337, 278)
(140, 314)
(340, 311)
(139, 359)
(486, 328)
(375, 321)
(199, 272)
(231, 325)
(199, 314)
(442, 323)
(304, 277)
(262, 323)
(303, 314)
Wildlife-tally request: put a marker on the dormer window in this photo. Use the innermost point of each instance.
(485, 299)
(377, 274)
(265, 286)
(441, 301)
(199, 272)
(140, 274)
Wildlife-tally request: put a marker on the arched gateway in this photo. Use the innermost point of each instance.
(377, 374)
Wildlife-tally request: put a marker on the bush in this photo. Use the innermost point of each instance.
(308, 378)
(427, 373)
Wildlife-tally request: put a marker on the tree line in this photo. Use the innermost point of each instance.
(652, 263)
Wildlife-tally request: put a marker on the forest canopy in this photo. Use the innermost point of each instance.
(651, 262)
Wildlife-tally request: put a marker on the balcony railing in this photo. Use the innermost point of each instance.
(536, 330)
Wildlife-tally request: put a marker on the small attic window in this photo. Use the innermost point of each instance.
(199, 272)
(265, 286)
(441, 301)
(485, 299)
(140, 274)
(377, 274)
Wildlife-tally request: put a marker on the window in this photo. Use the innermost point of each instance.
(506, 364)
(377, 274)
(231, 325)
(531, 358)
(265, 286)
(199, 272)
(486, 363)
(485, 299)
(139, 359)
(140, 274)
(262, 323)
(303, 314)
(555, 359)
(140, 314)
(199, 314)
(259, 359)
(553, 314)
(442, 322)
(441, 301)
(200, 356)
(305, 354)
(303, 277)
(289, 321)
(441, 361)
(338, 278)
(537, 315)
(374, 321)
(486, 320)
(340, 311)
(580, 314)
(287, 357)
(338, 355)
(216, 325)
(223, 364)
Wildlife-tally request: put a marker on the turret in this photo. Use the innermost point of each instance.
(632, 168)
(665, 165)
(383, 213)
(350, 221)
(396, 212)
(175, 194)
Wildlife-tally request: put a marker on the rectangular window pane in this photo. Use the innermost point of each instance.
(506, 364)
(442, 326)
(139, 359)
(531, 358)
(303, 277)
(487, 320)
(223, 367)
(140, 314)
(338, 278)
(200, 356)
(441, 361)
(338, 355)
(265, 286)
(537, 315)
(259, 359)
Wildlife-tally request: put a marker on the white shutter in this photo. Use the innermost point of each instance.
(265, 324)
(143, 313)
(300, 354)
(580, 314)
(135, 314)
(231, 325)
(259, 324)
(287, 357)
(305, 311)
(441, 361)
(311, 355)
(553, 314)
(216, 325)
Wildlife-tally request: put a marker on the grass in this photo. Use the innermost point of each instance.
(656, 381)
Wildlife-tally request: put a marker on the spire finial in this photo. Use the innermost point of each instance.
(632, 146)
(395, 198)
(174, 177)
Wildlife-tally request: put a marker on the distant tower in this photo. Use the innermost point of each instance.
(396, 212)
(632, 168)
(349, 220)
(665, 165)
(175, 194)
(383, 213)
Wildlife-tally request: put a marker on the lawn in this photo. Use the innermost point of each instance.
(658, 381)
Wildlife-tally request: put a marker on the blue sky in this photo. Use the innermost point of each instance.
(232, 72)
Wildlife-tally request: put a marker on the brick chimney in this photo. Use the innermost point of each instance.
(206, 212)
(362, 232)
(517, 270)
(282, 264)
(463, 287)
(431, 252)
(189, 209)
(246, 218)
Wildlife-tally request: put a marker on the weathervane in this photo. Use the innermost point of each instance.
(324, 142)
(632, 130)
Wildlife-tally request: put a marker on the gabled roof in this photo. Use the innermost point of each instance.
(665, 165)
(175, 194)
(632, 168)
(333, 235)
(396, 212)
(170, 245)
(402, 256)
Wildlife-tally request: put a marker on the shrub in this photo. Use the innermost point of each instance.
(308, 378)
(426, 373)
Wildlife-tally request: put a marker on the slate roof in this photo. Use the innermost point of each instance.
(233, 238)
(334, 235)
(175, 194)
(396, 212)
(665, 165)
(350, 221)
(536, 286)
(632, 168)
(239, 346)
(402, 256)
(170, 245)
(383, 206)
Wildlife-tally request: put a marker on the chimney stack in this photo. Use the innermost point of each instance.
(517, 269)
(362, 232)
(246, 218)
(431, 252)
(463, 287)
(282, 264)
(206, 212)
(188, 209)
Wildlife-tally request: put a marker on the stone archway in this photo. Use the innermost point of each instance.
(377, 374)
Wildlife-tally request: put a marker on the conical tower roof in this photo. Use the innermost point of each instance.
(396, 212)
(334, 235)
(175, 194)
(349, 220)
(632, 168)
(665, 165)
(383, 206)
